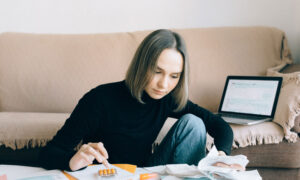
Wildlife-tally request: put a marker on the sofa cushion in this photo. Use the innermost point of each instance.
(296, 127)
(20, 129)
(257, 134)
(282, 155)
(288, 107)
(290, 69)
(51, 72)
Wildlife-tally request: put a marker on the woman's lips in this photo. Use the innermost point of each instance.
(158, 92)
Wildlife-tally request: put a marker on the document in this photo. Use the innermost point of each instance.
(206, 167)
(45, 175)
(17, 172)
(206, 170)
(91, 172)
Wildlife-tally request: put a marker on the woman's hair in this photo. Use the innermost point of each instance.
(144, 62)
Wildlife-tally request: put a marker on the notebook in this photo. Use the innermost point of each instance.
(249, 100)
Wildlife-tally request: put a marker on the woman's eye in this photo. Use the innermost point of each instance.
(157, 72)
(175, 76)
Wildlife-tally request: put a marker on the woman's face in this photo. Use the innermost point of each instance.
(166, 75)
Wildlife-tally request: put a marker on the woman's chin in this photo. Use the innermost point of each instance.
(157, 96)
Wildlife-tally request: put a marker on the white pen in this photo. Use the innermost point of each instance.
(106, 163)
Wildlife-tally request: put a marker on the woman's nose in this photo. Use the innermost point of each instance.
(163, 82)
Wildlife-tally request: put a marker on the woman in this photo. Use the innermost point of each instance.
(118, 122)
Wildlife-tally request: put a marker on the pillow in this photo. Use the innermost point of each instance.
(257, 134)
(288, 107)
(296, 127)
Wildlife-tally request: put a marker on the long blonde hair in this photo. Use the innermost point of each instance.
(143, 64)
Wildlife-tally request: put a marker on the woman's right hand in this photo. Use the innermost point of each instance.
(87, 154)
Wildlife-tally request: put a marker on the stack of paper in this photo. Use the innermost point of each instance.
(206, 170)
(16, 172)
(91, 172)
(206, 167)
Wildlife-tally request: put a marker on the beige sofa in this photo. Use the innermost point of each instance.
(42, 77)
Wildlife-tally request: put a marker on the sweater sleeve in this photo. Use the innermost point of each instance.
(215, 126)
(82, 121)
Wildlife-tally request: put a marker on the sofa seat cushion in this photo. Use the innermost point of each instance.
(282, 155)
(28, 130)
(257, 134)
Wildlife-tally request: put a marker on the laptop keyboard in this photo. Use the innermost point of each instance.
(241, 116)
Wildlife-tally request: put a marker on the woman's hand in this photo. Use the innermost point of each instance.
(87, 154)
(222, 153)
(232, 166)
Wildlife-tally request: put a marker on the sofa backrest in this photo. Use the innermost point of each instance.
(51, 72)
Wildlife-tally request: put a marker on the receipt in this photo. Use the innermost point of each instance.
(206, 167)
(213, 157)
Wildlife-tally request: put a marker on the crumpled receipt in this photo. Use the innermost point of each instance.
(205, 168)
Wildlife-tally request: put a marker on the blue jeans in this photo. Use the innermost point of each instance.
(185, 143)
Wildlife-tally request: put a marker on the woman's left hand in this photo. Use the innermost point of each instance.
(232, 166)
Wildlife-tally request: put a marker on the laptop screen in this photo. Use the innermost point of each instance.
(251, 95)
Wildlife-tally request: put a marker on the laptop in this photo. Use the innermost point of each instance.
(248, 100)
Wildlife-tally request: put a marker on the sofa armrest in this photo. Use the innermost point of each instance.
(290, 68)
(296, 127)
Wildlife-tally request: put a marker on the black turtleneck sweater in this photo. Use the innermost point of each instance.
(127, 128)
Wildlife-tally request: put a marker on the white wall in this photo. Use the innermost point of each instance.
(94, 16)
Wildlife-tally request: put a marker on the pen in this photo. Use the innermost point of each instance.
(106, 163)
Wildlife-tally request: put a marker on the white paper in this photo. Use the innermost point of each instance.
(16, 172)
(46, 175)
(206, 167)
(91, 173)
(213, 157)
(176, 171)
(155, 169)
(183, 170)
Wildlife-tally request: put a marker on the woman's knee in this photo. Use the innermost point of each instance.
(193, 122)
